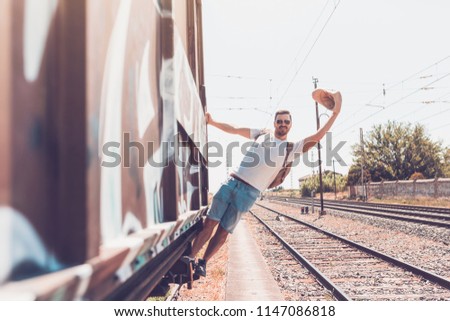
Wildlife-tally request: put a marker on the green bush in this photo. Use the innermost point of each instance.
(312, 183)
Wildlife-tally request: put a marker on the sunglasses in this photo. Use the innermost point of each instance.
(286, 121)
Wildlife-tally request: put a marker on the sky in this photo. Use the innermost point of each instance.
(261, 55)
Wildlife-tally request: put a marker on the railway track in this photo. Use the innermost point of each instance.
(427, 209)
(349, 270)
(175, 293)
(414, 215)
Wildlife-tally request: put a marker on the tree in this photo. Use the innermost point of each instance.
(312, 183)
(354, 175)
(398, 150)
(446, 165)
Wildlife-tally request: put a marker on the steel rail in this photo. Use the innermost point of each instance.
(414, 269)
(337, 292)
(430, 209)
(379, 213)
(431, 216)
(175, 292)
(142, 282)
(422, 209)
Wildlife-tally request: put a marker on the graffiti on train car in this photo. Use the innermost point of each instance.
(23, 251)
(137, 192)
(189, 113)
(126, 214)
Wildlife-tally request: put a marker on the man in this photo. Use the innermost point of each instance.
(256, 172)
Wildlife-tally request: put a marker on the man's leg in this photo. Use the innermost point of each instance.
(215, 243)
(203, 236)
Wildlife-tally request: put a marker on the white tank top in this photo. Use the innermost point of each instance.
(264, 159)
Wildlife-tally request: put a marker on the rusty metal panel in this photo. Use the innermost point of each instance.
(5, 101)
(43, 173)
(84, 84)
(200, 59)
(30, 149)
(192, 38)
(67, 101)
(204, 180)
(146, 87)
(188, 106)
(124, 108)
(189, 112)
(43, 178)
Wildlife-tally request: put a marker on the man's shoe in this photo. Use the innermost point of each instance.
(200, 268)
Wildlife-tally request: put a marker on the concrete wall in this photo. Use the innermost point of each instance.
(439, 187)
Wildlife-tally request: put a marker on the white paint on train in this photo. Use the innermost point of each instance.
(20, 243)
(145, 107)
(111, 124)
(38, 18)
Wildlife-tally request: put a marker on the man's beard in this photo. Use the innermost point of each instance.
(282, 131)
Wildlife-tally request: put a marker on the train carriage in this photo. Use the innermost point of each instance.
(103, 167)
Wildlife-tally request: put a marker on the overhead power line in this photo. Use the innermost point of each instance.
(439, 100)
(241, 77)
(434, 115)
(237, 97)
(304, 42)
(439, 127)
(409, 78)
(243, 109)
(391, 104)
(309, 52)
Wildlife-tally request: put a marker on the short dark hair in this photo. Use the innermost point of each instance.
(282, 112)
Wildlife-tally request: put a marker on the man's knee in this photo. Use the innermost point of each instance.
(209, 224)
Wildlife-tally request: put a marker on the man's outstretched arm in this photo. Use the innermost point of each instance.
(231, 129)
(315, 138)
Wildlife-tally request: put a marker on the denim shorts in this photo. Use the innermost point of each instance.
(233, 199)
